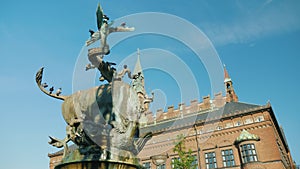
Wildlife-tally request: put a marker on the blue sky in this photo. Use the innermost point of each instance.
(258, 40)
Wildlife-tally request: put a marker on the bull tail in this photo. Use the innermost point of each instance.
(38, 79)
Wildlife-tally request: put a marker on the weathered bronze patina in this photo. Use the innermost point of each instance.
(102, 121)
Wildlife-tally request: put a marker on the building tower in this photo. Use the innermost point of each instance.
(138, 77)
(138, 83)
(230, 93)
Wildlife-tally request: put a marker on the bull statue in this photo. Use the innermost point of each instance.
(104, 118)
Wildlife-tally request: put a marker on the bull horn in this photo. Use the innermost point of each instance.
(141, 142)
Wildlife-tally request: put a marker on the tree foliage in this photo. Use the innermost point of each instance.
(185, 158)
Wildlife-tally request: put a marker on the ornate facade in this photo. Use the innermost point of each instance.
(221, 132)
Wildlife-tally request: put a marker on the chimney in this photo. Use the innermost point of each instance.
(193, 107)
(170, 109)
(206, 102)
(219, 100)
(149, 117)
(159, 114)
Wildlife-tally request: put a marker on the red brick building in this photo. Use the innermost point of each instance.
(221, 132)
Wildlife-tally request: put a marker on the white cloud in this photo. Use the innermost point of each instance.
(267, 2)
(274, 20)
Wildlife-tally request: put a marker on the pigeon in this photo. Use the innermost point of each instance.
(91, 32)
(58, 92)
(51, 89)
(105, 18)
(44, 85)
(123, 24)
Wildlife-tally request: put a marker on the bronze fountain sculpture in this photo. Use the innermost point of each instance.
(102, 121)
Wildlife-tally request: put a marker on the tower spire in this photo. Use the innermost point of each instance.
(138, 76)
(138, 85)
(230, 93)
(138, 68)
(226, 75)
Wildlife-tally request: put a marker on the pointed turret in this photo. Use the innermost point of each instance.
(138, 77)
(138, 68)
(226, 75)
(139, 85)
(230, 93)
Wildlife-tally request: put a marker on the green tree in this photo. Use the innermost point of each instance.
(185, 158)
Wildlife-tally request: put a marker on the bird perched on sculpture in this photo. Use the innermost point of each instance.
(58, 92)
(44, 85)
(91, 32)
(51, 89)
(123, 24)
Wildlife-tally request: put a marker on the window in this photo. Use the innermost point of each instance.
(228, 158)
(228, 125)
(259, 119)
(173, 160)
(248, 153)
(210, 160)
(195, 161)
(163, 166)
(228, 85)
(248, 121)
(238, 123)
(210, 129)
(147, 165)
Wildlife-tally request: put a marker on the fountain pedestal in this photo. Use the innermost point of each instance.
(77, 160)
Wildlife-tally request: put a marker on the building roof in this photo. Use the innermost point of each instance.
(229, 109)
(245, 136)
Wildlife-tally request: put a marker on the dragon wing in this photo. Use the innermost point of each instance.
(99, 14)
(121, 29)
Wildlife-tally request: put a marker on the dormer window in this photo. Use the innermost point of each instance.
(219, 128)
(238, 123)
(259, 119)
(248, 121)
